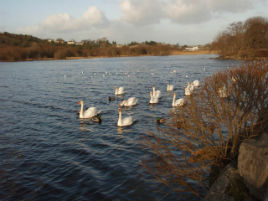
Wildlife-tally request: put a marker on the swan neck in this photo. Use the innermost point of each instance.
(120, 118)
(82, 110)
(153, 91)
(174, 97)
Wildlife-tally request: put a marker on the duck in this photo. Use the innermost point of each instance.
(89, 113)
(153, 99)
(170, 87)
(160, 120)
(156, 93)
(177, 103)
(110, 98)
(127, 121)
(119, 91)
(97, 118)
(132, 101)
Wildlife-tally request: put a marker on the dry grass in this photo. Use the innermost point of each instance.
(207, 132)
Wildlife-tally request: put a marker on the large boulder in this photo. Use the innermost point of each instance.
(219, 189)
(253, 165)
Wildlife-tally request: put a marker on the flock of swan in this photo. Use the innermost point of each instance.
(155, 95)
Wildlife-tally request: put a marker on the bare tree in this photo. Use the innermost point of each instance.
(206, 133)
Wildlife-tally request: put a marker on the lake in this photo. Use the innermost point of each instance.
(47, 153)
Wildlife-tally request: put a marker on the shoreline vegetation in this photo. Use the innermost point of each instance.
(18, 47)
(241, 40)
(204, 136)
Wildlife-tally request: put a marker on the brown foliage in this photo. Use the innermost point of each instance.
(246, 40)
(23, 47)
(210, 129)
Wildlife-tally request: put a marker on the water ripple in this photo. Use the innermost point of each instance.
(47, 153)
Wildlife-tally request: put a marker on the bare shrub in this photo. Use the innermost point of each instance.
(206, 133)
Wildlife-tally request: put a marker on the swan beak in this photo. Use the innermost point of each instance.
(79, 103)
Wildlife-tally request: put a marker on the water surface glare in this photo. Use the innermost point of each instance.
(47, 153)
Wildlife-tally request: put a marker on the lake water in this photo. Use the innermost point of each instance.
(47, 153)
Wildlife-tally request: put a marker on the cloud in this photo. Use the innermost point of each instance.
(93, 16)
(147, 12)
(91, 19)
(230, 6)
(58, 21)
(185, 12)
(179, 11)
(144, 20)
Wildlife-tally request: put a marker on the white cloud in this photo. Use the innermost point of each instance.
(179, 11)
(160, 20)
(93, 16)
(185, 12)
(91, 19)
(147, 12)
(58, 21)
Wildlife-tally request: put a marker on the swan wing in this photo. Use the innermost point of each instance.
(123, 103)
(170, 88)
(187, 91)
(90, 112)
(127, 121)
(132, 101)
(121, 90)
(154, 99)
(158, 94)
(195, 83)
(180, 102)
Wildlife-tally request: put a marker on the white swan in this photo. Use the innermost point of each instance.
(177, 103)
(153, 99)
(189, 89)
(129, 102)
(127, 121)
(89, 113)
(156, 93)
(233, 79)
(223, 93)
(170, 87)
(196, 84)
(119, 91)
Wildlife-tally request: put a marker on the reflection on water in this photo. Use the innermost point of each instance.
(48, 153)
(119, 130)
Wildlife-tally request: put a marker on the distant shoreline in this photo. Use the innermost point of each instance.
(172, 53)
(177, 52)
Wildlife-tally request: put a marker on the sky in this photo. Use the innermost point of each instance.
(183, 22)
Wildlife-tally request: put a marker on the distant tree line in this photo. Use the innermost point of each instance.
(18, 47)
(243, 40)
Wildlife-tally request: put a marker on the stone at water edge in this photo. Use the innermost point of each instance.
(253, 165)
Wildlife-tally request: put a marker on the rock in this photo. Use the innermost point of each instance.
(229, 186)
(253, 165)
(218, 191)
